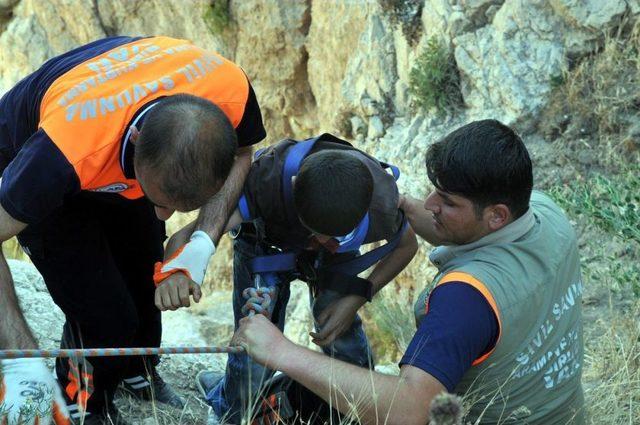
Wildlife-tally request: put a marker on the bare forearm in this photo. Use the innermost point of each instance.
(375, 398)
(214, 215)
(394, 263)
(14, 331)
(420, 219)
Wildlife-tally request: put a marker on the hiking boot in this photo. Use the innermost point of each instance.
(110, 416)
(207, 380)
(152, 387)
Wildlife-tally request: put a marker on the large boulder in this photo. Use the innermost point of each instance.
(508, 67)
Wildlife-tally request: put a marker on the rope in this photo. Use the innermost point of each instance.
(110, 352)
(258, 301)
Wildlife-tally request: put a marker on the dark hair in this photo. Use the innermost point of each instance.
(190, 144)
(486, 162)
(332, 192)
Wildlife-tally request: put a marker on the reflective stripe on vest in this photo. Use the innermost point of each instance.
(85, 111)
(481, 287)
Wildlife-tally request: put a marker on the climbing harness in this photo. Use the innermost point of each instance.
(335, 275)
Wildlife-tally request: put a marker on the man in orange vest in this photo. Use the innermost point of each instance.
(98, 147)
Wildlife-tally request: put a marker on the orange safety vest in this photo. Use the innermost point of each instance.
(86, 110)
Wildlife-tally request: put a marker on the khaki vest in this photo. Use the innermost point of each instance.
(529, 271)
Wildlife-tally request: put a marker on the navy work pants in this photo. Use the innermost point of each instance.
(96, 255)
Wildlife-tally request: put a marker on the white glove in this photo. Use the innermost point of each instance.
(191, 259)
(29, 394)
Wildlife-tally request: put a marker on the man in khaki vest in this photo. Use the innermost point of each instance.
(501, 323)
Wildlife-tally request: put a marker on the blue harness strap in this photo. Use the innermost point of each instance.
(354, 240)
(273, 263)
(243, 204)
(362, 262)
(291, 166)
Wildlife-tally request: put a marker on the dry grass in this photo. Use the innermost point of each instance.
(595, 107)
(612, 370)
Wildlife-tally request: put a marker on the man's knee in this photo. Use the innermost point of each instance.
(116, 327)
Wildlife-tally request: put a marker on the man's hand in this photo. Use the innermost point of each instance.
(29, 394)
(174, 292)
(183, 272)
(191, 259)
(337, 318)
(263, 341)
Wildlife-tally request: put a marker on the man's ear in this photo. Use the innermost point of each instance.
(499, 216)
(135, 133)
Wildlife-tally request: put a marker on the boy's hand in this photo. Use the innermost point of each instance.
(336, 319)
(262, 340)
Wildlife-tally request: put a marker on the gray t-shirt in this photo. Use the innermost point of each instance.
(263, 192)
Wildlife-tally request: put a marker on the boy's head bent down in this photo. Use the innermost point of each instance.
(332, 192)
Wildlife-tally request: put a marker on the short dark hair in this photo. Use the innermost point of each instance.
(190, 144)
(486, 162)
(332, 192)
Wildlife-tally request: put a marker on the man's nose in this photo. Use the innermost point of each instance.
(431, 203)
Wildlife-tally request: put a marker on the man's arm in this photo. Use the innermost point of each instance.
(19, 377)
(214, 214)
(338, 316)
(391, 265)
(374, 397)
(14, 331)
(174, 284)
(175, 290)
(421, 220)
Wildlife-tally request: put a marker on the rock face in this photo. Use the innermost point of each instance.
(344, 66)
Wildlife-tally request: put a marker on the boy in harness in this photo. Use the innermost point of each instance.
(306, 209)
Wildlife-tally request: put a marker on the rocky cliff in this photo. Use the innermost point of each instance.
(341, 66)
(344, 66)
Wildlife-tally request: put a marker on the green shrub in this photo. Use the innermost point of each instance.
(216, 16)
(612, 202)
(596, 103)
(390, 325)
(434, 81)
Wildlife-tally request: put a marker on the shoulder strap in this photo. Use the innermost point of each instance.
(394, 170)
(243, 205)
(354, 240)
(295, 155)
(362, 262)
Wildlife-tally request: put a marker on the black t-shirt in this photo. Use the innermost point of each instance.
(263, 192)
(36, 176)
